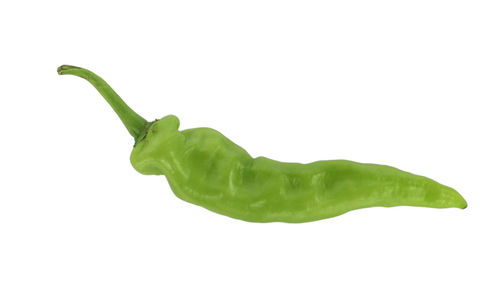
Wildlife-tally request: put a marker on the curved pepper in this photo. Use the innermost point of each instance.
(205, 168)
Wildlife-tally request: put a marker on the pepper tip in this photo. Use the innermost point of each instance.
(63, 68)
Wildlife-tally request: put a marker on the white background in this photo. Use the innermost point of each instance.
(412, 84)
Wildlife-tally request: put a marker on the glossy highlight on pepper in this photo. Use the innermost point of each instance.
(205, 168)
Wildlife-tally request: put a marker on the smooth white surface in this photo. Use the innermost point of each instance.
(413, 84)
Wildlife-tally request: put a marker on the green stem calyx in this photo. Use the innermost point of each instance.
(135, 124)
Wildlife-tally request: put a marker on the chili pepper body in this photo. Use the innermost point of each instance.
(205, 168)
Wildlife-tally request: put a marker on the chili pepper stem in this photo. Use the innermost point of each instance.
(135, 124)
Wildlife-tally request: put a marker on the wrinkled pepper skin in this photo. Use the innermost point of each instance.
(205, 168)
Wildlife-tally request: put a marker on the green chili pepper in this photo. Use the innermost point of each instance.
(205, 168)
